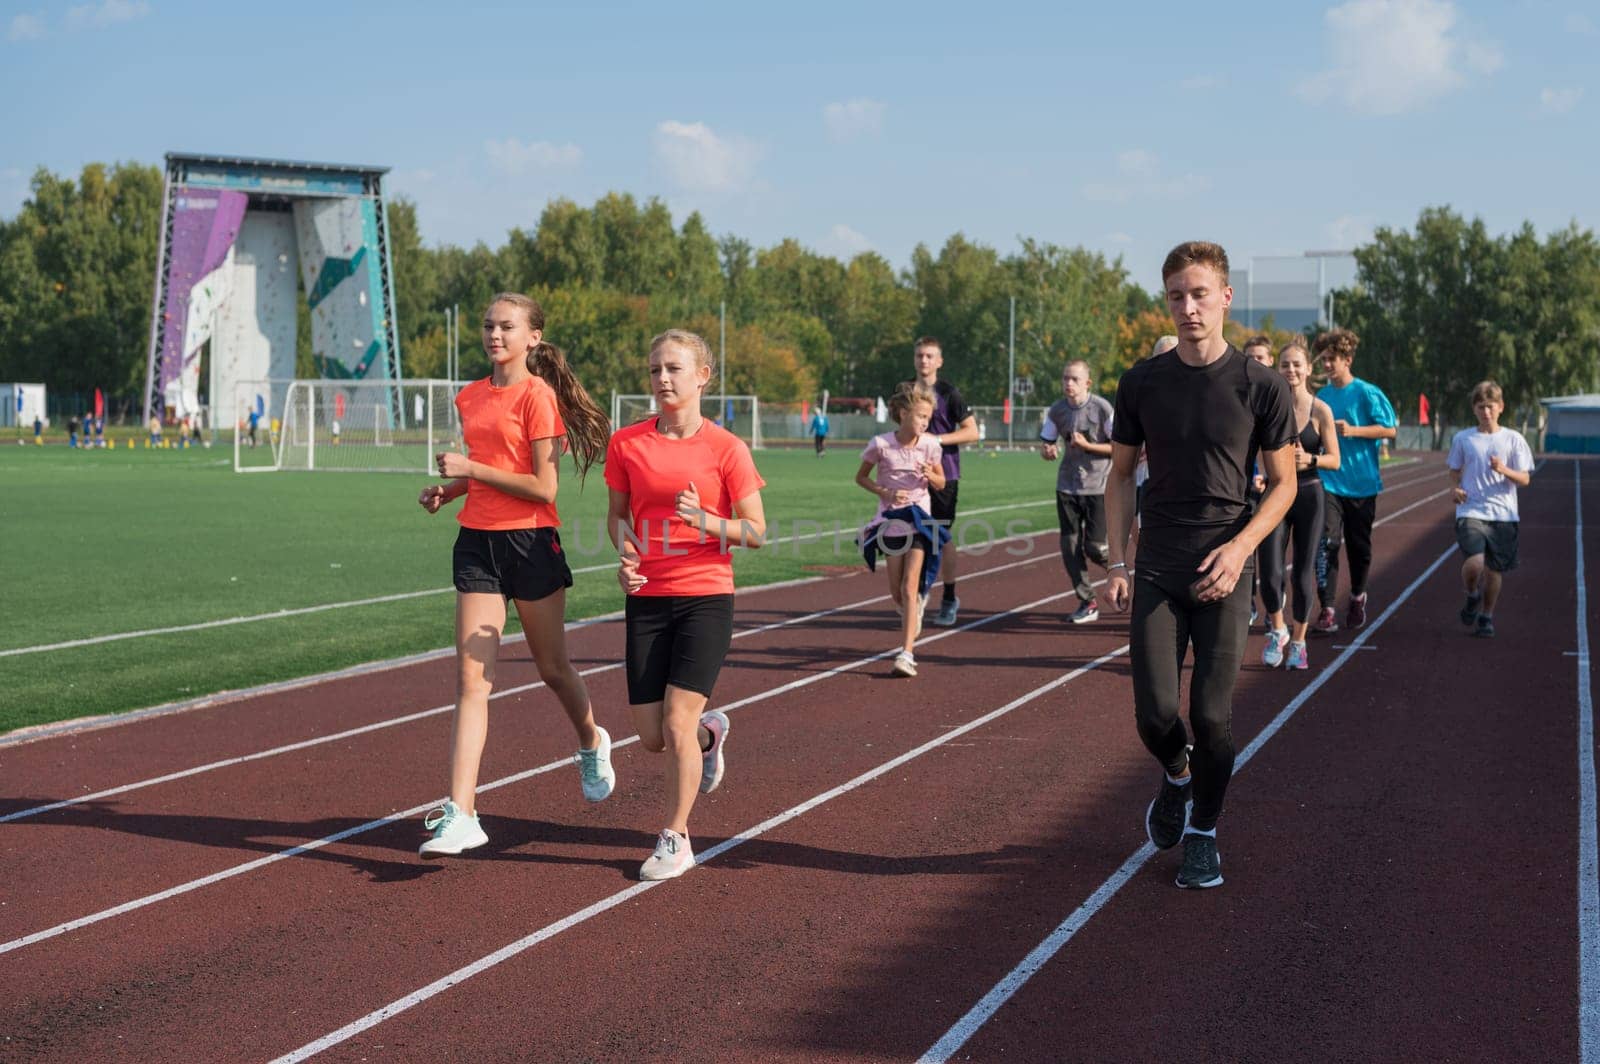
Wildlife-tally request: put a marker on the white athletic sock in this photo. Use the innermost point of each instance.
(1184, 782)
(1196, 831)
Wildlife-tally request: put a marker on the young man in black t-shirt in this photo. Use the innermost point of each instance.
(953, 423)
(1203, 413)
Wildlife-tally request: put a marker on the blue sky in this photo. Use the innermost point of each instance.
(1270, 127)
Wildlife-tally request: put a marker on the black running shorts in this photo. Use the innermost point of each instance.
(942, 504)
(1495, 540)
(676, 639)
(526, 564)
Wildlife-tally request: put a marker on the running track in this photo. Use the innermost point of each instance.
(1404, 877)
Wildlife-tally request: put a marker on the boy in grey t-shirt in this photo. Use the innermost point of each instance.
(1079, 425)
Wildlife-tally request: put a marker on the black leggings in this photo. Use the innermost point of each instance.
(1348, 521)
(1166, 620)
(1302, 527)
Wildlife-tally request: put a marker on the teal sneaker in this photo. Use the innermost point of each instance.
(453, 831)
(1272, 653)
(595, 774)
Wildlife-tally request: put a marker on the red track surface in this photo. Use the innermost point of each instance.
(1400, 857)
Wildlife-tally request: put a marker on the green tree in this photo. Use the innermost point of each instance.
(963, 299)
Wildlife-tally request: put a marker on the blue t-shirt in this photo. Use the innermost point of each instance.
(1358, 403)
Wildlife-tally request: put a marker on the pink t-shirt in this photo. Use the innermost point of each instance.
(900, 467)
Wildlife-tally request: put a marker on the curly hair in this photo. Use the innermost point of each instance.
(1341, 343)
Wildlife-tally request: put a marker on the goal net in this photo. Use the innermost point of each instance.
(344, 426)
(739, 414)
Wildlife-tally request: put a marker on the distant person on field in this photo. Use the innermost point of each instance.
(38, 430)
(819, 430)
(516, 422)
(1362, 416)
(1487, 465)
(1258, 349)
(251, 423)
(72, 431)
(953, 424)
(155, 429)
(1078, 425)
(99, 430)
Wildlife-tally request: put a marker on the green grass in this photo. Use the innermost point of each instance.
(102, 542)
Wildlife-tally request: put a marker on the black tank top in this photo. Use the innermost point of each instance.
(1311, 443)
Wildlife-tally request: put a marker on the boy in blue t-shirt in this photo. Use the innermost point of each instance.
(1363, 416)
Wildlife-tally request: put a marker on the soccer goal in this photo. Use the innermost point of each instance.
(343, 425)
(739, 414)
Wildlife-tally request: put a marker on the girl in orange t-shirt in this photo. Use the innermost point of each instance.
(513, 423)
(683, 492)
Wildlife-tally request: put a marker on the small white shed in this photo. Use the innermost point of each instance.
(1572, 424)
(20, 404)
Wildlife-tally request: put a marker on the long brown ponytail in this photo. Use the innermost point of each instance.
(588, 427)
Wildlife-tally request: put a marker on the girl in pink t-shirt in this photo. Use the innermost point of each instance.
(907, 462)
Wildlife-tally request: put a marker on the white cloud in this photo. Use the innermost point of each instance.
(25, 28)
(845, 242)
(511, 156)
(699, 160)
(1579, 23)
(1348, 230)
(1392, 56)
(1559, 101)
(1140, 177)
(107, 13)
(854, 118)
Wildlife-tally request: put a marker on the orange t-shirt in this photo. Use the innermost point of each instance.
(500, 425)
(676, 558)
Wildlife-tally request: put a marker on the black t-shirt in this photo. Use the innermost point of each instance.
(949, 411)
(1201, 427)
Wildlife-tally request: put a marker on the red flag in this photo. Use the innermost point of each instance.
(1422, 409)
(338, 404)
(99, 403)
(805, 411)
(1005, 418)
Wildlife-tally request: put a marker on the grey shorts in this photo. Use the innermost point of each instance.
(1495, 540)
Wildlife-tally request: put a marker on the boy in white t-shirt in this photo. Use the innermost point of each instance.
(1486, 465)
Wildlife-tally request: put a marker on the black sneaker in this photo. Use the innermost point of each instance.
(1485, 629)
(1168, 815)
(1469, 612)
(1086, 613)
(1202, 865)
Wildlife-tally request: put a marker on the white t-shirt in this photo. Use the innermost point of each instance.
(1490, 496)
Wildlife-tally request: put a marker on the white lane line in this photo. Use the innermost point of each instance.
(261, 862)
(448, 707)
(1588, 846)
(275, 615)
(439, 986)
(980, 1013)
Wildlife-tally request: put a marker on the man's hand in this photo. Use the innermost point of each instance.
(1342, 426)
(1050, 452)
(1117, 588)
(1497, 464)
(1222, 568)
(1077, 440)
(1458, 494)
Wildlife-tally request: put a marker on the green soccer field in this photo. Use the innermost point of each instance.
(103, 543)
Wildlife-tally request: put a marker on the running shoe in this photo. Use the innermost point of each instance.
(1298, 658)
(595, 773)
(1168, 814)
(1485, 629)
(1202, 865)
(672, 858)
(1272, 653)
(1356, 615)
(946, 617)
(1254, 613)
(1086, 613)
(905, 664)
(1325, 625)
(711, 764)
(453, 831)
(1469, 611)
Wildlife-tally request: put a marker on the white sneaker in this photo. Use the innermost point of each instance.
(672, 858)
(595, 773)
(905, 664)
(453, 831)
(711, 763)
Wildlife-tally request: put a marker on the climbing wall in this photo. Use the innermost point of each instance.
(205, 224)
(254, 337)
(340, 266)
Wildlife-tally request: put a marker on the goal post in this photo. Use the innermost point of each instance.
(344, 425)
(739, 414)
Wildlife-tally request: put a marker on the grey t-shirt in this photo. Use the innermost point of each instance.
(1081, 473)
